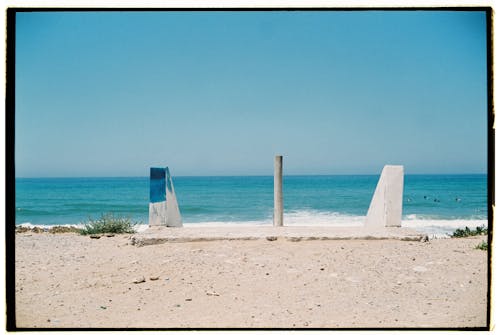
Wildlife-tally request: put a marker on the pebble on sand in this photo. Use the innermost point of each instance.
(139, 280)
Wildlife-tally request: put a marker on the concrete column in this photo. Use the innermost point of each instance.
(386, 207)
(278, 191)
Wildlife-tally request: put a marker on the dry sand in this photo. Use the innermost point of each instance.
(67, 280)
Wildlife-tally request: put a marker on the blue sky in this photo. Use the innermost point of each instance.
(221, 93)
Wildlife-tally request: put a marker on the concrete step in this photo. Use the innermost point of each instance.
(158, 235)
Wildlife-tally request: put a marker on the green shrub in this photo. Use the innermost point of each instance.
(108, 223)
(482, 246)
(468, 232)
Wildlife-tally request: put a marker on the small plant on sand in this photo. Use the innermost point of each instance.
(21, 229)
(64, 229)
(470, 232)
(482, 246)
(108, 223)
(52, 229)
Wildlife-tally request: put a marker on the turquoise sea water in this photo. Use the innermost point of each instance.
(440, 201)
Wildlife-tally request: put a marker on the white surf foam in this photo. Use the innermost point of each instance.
(295, 218)
(442, 228)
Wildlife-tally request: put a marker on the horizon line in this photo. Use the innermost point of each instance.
(260, 175)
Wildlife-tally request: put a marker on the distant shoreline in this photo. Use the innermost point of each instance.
(429, 227)
(308, 200)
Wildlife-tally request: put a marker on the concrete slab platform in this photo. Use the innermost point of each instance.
(158, 235)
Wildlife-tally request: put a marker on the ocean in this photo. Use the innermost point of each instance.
(435, 204)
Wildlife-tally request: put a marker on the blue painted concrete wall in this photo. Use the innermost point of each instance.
(157, 185)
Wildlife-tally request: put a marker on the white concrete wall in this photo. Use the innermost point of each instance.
(157, 213)
(173, 214)
(386, 207)
(164, 213)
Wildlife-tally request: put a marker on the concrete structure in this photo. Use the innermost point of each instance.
(158, 235)
(278, 191)
(163, 207)
(386, 207)
(173, 213)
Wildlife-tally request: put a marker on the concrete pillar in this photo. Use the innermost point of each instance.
(278, 191)
(386, 207)
(163, 207)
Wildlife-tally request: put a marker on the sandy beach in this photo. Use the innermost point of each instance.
(68, 280)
